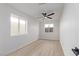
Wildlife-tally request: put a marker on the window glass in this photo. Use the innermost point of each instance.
(17, 25)
(22, 26)
(49, 27)
(46, 25)
(14, 25)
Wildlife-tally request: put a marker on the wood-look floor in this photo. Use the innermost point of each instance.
(40, 48)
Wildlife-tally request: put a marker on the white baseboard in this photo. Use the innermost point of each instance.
(46, 39)
(62, 47)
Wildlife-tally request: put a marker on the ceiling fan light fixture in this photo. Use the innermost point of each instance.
(45, 17)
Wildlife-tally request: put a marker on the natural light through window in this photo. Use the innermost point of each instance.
(14, 25)
(46, 25)
(22, 26)
(49, 27)
(18, 25)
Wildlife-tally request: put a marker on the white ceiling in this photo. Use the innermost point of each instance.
(35, 9)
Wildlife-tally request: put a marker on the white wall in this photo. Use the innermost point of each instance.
(8, 43)
(69, 28)
(51, 35)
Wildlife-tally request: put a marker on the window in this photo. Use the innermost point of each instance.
(49, 27)
(18, 25)
(14, 25)
(22, 26)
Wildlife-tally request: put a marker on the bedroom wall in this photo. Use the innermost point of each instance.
(49, 35)
(9, 44)
(55, 20)
(69, 28)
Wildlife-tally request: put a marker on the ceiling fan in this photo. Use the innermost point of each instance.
(47, 16)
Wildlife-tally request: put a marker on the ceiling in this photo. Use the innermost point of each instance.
(35, 9)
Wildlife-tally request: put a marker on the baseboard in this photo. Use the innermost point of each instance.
(62, 47)
(48, 39)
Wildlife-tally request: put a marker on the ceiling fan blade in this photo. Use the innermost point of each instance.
(44, 14)
(49, 17)
(51, 14)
